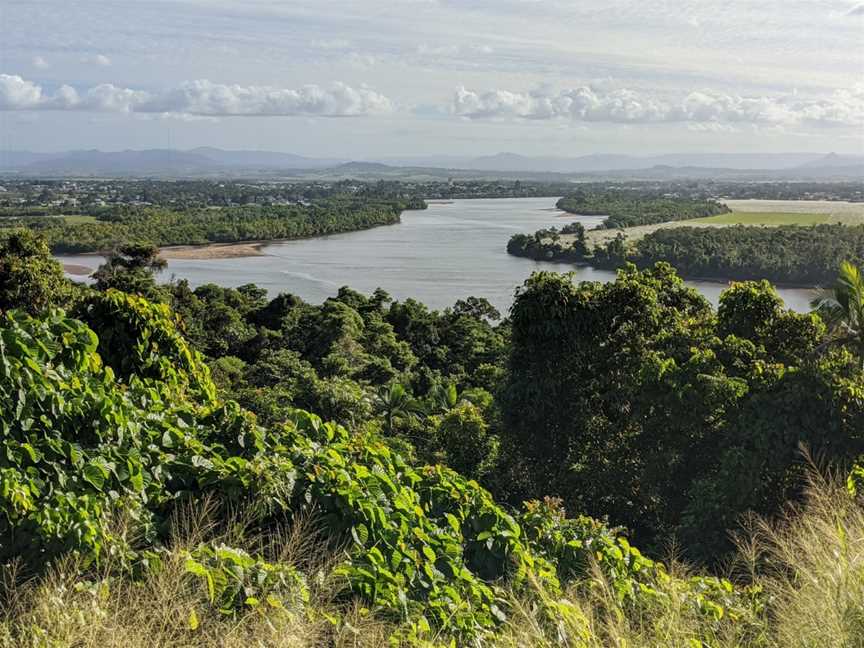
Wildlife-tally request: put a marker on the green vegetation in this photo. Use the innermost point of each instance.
(29, 277)
(78, 219)
(624, 208)
(765, 218)
(546, 244)
(161, 227)
(163, 483)
(842, 309)
(792, 247)
(787, 254)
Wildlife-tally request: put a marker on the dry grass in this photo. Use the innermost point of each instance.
(810, 565)
(169, 607)
(814, 570)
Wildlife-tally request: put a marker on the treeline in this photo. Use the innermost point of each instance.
(629, 208)
(163, 227)
(804, 255)
(789, 254)
(798, 190)
(94, 197)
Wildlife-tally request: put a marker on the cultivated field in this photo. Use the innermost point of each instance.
(767, 213)
(836, 210)
(762, 218)
(77, 219)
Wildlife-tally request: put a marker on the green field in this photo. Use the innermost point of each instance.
(77, 219)
(763, 218)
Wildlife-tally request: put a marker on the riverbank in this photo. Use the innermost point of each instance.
(214, 250)
(209, 252)
(77, 270)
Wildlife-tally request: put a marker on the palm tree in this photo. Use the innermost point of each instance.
(394, 402)
(842, 310)
(442, 398)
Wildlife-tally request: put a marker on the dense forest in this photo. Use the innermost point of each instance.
(200, 226)
(801, 255)
(627, 208)
(808, 255)
(789, 254)
(446, 498)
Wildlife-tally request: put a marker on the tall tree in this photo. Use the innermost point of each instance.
(842, 309)
(132, 268)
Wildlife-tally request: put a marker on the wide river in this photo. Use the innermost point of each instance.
(444, 253)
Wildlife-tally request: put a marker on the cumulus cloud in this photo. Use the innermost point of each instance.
(39, 63)
(201, 97)
(16, 92)
(602, 103)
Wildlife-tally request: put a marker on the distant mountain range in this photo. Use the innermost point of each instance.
(207, 161)
(157, 161)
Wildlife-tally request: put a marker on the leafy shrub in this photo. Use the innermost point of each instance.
(79, 448)
(855, 481)
(235, 579)
(427, 546)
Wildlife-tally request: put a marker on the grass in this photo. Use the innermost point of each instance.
(810, 565)
(771, 219)
(79, 219)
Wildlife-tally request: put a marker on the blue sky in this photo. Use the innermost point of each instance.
(366, 78)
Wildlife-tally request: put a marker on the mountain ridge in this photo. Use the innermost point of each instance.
(212, 160)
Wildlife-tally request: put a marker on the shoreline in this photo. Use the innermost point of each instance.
(210, 251)
(711, 280)
(77, 270)
(236, 250)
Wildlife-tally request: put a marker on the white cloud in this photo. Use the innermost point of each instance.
(18, 94)
(39, 63)
(201, 97)
(601, 103)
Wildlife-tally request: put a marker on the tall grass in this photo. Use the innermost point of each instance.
(814, 570)
(810, 565)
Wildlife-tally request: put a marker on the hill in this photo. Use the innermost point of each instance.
(209, 161)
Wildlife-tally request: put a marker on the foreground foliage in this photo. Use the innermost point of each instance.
(814, 589)
(89, 445)
(634, 399)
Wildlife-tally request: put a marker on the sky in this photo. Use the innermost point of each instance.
(366, 79)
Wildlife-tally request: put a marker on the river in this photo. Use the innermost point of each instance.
(444, 253)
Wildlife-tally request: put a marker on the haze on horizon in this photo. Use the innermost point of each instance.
(368, 78)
